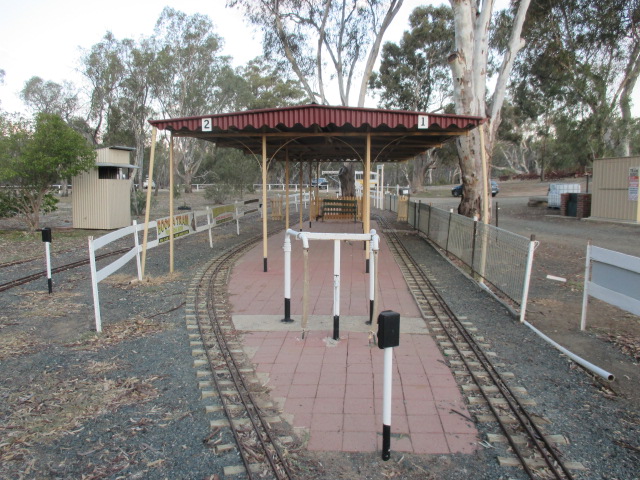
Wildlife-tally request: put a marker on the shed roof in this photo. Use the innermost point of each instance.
(325, 133)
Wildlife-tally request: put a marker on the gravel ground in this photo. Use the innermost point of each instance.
(126, 404)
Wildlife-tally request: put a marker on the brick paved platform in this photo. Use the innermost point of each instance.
(333, 389)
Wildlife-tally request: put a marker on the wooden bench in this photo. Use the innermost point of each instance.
(337, 208)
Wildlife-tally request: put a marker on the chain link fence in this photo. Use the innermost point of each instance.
(490, 254)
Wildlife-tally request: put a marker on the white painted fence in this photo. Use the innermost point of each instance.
(612, 277)
(198, 221)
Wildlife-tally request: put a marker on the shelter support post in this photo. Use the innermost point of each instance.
(286, 179)
(301, 194)
(171, 186)
(366, 202)
(264, 202)
(487, 183)
(145, 236)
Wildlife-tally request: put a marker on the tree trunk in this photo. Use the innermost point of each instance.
(468, 67)
(346, 174)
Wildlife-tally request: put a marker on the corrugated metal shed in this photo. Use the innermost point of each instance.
(101, 198)
(321, 132)
(613, 189)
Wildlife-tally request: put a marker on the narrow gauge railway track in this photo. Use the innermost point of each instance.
(38, 258)
(29, 278)
(536, 452)
(246, 415)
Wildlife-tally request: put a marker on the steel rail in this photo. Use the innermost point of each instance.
(543, 447)
(29, 278)
(270, 450)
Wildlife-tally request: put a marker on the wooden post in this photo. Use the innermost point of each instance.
(485, 205)
(264, 201)
(301, 194)
(487, 183)
(310, 173)
(171, 205)
(154, 133)
(286, 179)
(366, 202)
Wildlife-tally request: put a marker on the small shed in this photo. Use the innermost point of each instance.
(101, 198)
(615, 189)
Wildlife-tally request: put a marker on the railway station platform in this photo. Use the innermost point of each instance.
(329, 390)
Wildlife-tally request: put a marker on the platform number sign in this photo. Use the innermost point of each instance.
(206, 124)
(423, 121)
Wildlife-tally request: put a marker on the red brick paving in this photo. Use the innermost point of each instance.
(335, 389)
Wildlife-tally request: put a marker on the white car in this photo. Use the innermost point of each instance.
(145, 184)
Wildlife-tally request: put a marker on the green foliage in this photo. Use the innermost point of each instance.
(34, 159)
(219, 193)
(414, 75)
(262, 84)
(7, 204)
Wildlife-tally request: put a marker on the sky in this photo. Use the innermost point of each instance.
(46, 38)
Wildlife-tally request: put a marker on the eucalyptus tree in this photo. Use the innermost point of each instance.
(470, 69)
(265, 84)
(51, 97)
(193, 78)
(414, 74)
(135, 101)
(582, 63)
(338, 36)
(104, 69)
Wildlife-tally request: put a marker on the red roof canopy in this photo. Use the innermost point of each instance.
(325, 133)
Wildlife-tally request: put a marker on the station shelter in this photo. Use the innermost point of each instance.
(316, 134)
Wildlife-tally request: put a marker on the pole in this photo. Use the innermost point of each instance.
(301, 193)
(94, 286)
(386, 404)
(585, 293)
(46, 238)
(527, 278)
(171, 186)
(286, 176)
(336, 289)
(487, 182)
(136, 243)
(145, 236)
(264, 202)
(287, 279)
(366, 203)
(388, 338)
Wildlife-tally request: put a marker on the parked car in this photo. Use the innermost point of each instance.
(495, 188)
(145, 184)
(319, 182)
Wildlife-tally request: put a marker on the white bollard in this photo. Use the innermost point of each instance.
(388, 338)
(46, 238)
(287, 279)
(336, 289)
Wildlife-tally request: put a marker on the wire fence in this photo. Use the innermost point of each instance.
(491, 254)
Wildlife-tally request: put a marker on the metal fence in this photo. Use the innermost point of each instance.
(496, 256)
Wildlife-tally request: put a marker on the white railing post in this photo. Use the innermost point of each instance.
(527, 278)
(94, 286)
(136, 242)
(585, 293)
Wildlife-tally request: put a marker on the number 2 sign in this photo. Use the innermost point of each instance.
(206, 124)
